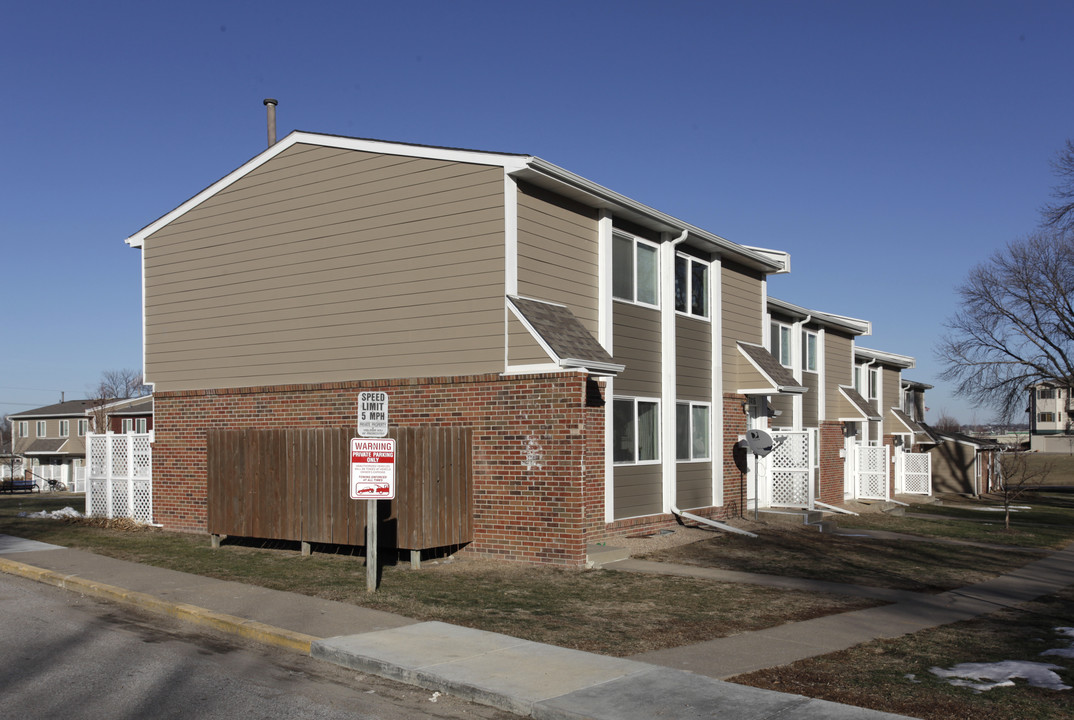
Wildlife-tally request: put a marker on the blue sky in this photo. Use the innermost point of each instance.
(888, 146)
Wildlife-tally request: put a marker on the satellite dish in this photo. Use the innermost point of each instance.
(759, 442)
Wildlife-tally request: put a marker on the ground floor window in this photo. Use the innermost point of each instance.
(692, 431)
(635, 430)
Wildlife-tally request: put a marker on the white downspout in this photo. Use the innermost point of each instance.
(669, 389)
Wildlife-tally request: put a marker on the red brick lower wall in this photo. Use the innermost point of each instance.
(832, 463)
(734, 479)
(538, 455)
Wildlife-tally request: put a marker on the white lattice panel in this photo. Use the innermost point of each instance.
(917, 473)
(142, 456)
(118, 449)
(143, 501)
(120, 500)
(790, 470)
(98, 456)
(872, 471)
(98, 497)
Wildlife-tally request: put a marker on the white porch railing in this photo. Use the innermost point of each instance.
(120, 476)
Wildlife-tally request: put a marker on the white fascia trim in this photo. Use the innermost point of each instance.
(533, 370)
(902, 361)
(845, 322)
(595, 368)
(777, 257)
(510, 232)
(510, 163)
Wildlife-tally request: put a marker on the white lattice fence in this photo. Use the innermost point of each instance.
(120, 476)
(914, 473)
(790, 470)
(872, 471)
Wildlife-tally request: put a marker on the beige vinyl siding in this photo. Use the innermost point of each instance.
(743, 317)
(837, 370)
(637, 347)
(693, 485)
(693, 359)
(557, 252)
(785, 405)
(523, 349)
(637, 491)
(811, 400)
(328, 264)
(890, 395)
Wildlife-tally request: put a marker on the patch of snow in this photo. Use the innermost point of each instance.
(67, 512)
(911, 677)
(1068, 651)
(1002, 674)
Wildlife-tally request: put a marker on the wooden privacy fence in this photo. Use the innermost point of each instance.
(294, 484)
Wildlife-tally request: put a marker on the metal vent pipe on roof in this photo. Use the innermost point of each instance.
(270, 105)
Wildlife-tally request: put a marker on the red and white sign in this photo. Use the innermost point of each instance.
(372, 468)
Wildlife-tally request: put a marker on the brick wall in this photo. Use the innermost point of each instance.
(734, 479)
(538, 455)
(832, 464)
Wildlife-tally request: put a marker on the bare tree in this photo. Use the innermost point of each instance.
(114, 385)
(1021, 474)
(946, 423)
(1015, 324)
(1060, 214)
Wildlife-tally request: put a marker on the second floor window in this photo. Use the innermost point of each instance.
(780, 341)
(65, 428)
(24, 428)
(809, 351)
(128, 425)
(41, 432)
(83, 427)
(874, 383)
(140, 425)
(1046, 394)
(634, 270)
(691, 286)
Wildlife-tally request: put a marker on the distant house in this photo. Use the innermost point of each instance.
(963, 464)
(1051, 424)
(52, 441)
(133, 415)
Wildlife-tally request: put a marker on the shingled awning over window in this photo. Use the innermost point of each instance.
(767, 376)
(563, 336)
(921, 435)
(855, 408)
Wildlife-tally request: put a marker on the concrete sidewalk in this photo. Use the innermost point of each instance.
(527, 678)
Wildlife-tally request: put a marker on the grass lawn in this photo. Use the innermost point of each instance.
(599, 611)
(1062, 466)
(894, 675)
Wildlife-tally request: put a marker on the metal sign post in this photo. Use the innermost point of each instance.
(372, 470)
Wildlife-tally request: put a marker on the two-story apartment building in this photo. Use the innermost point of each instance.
(52, 440)
(1051, 424)
(608, 357)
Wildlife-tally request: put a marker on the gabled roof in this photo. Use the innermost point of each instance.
(131, 406)
(914, 385)
(774, 378)
(563, 336)
(45, 446)
(920, 433)
(851, 325)
(860, 408)
(525, 167)
(69, 408)
(979, 443)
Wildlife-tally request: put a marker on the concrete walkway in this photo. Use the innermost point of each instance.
(526, 678)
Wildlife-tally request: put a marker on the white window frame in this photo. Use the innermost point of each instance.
(778, 333)
(1046, 394)
(690, 407)
(83, 427)
(140, 425)
(637, 241)
(65, 428)
(128, 425)
(42, 429)
(690, 262)
(807, 337)
(874, 383)
(1046, 417)
(24, 428)
(656, 430)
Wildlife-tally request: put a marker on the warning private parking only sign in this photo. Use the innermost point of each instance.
(373, 468)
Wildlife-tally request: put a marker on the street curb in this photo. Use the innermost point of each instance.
(249, 629)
